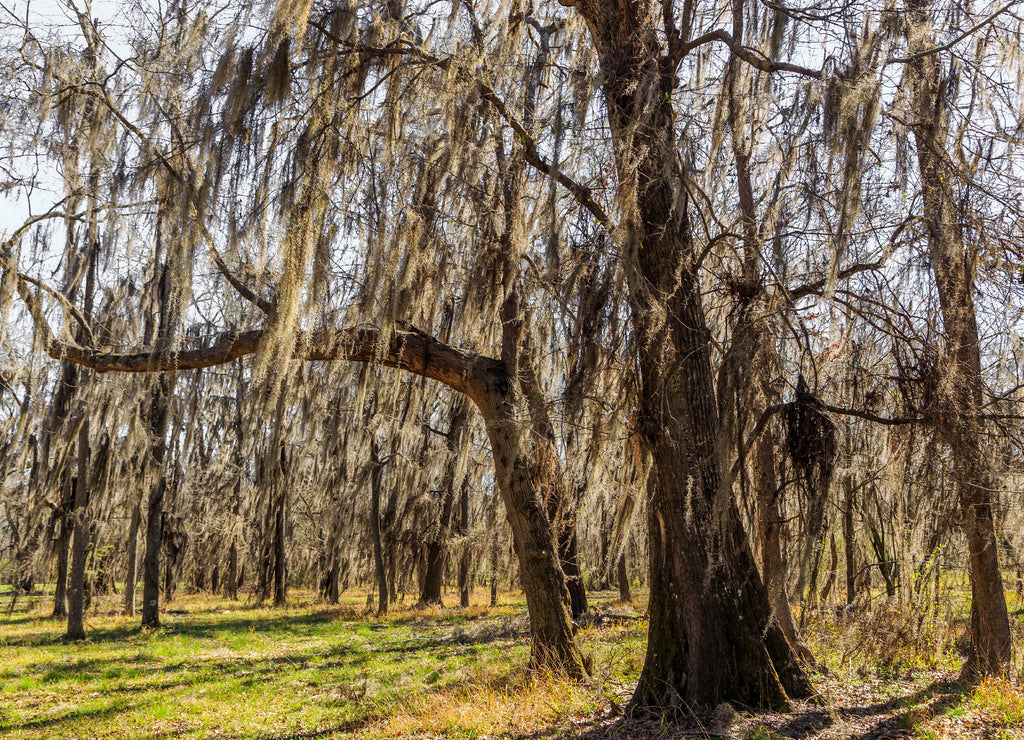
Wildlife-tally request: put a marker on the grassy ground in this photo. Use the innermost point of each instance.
(223, 669)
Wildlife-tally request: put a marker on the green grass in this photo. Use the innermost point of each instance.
(222, 669)
(225, 670)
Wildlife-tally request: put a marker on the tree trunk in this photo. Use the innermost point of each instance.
(131, 571)
(552, 643)
(569, 549)
(380, 570)
(231, 577)
(712, 637)
(155, 506)
(82, 526)
(80, 539)
(494, 567)
(437, 548)
(833, 567)
(624, 591)
(849, 543)
(961, 387)
(770, 528)
(280, 564)
(465, 583)
(60, 608)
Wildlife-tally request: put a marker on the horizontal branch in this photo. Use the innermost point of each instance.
(867, 416)
(818, 286)
(751, 56)
(405, 349)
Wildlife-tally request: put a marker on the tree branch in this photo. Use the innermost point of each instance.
(752, 57)
(582, 194)
(410, 350)
(945, 47)
(818, 286)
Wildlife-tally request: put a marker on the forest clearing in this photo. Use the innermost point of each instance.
(679, 344)
(224, 669)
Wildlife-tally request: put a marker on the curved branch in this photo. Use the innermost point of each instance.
(752, 57)
(947, 46)
(405, 349)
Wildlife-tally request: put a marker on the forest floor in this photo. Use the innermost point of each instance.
(224, 669)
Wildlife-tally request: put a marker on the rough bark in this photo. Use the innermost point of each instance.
(157, 423)
(64, 513)
(961, 387)
(712, 637)
(625, 594)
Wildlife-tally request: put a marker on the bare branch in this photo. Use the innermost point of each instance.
(753, 57)
(411, 350)
(945, 47)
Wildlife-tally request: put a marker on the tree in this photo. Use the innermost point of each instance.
(720, 643)
(960, 402)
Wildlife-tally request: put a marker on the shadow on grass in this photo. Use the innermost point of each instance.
(198, 625)
(868, 722)
(115, 708)
(343, 728)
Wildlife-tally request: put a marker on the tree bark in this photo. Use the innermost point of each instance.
(465, 583)
(379, 569)
(157, 423)
(552, 643)
(65, 512)
(80, 539)
(437, 548)
(961, 386)
(849, 541)
(625, 594)
(770, 528)
(131, 571)
(712, 637)
(280, 563)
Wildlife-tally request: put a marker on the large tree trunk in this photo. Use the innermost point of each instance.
(82, 525)
(712, 636)
(961, 387)
(552, 643)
